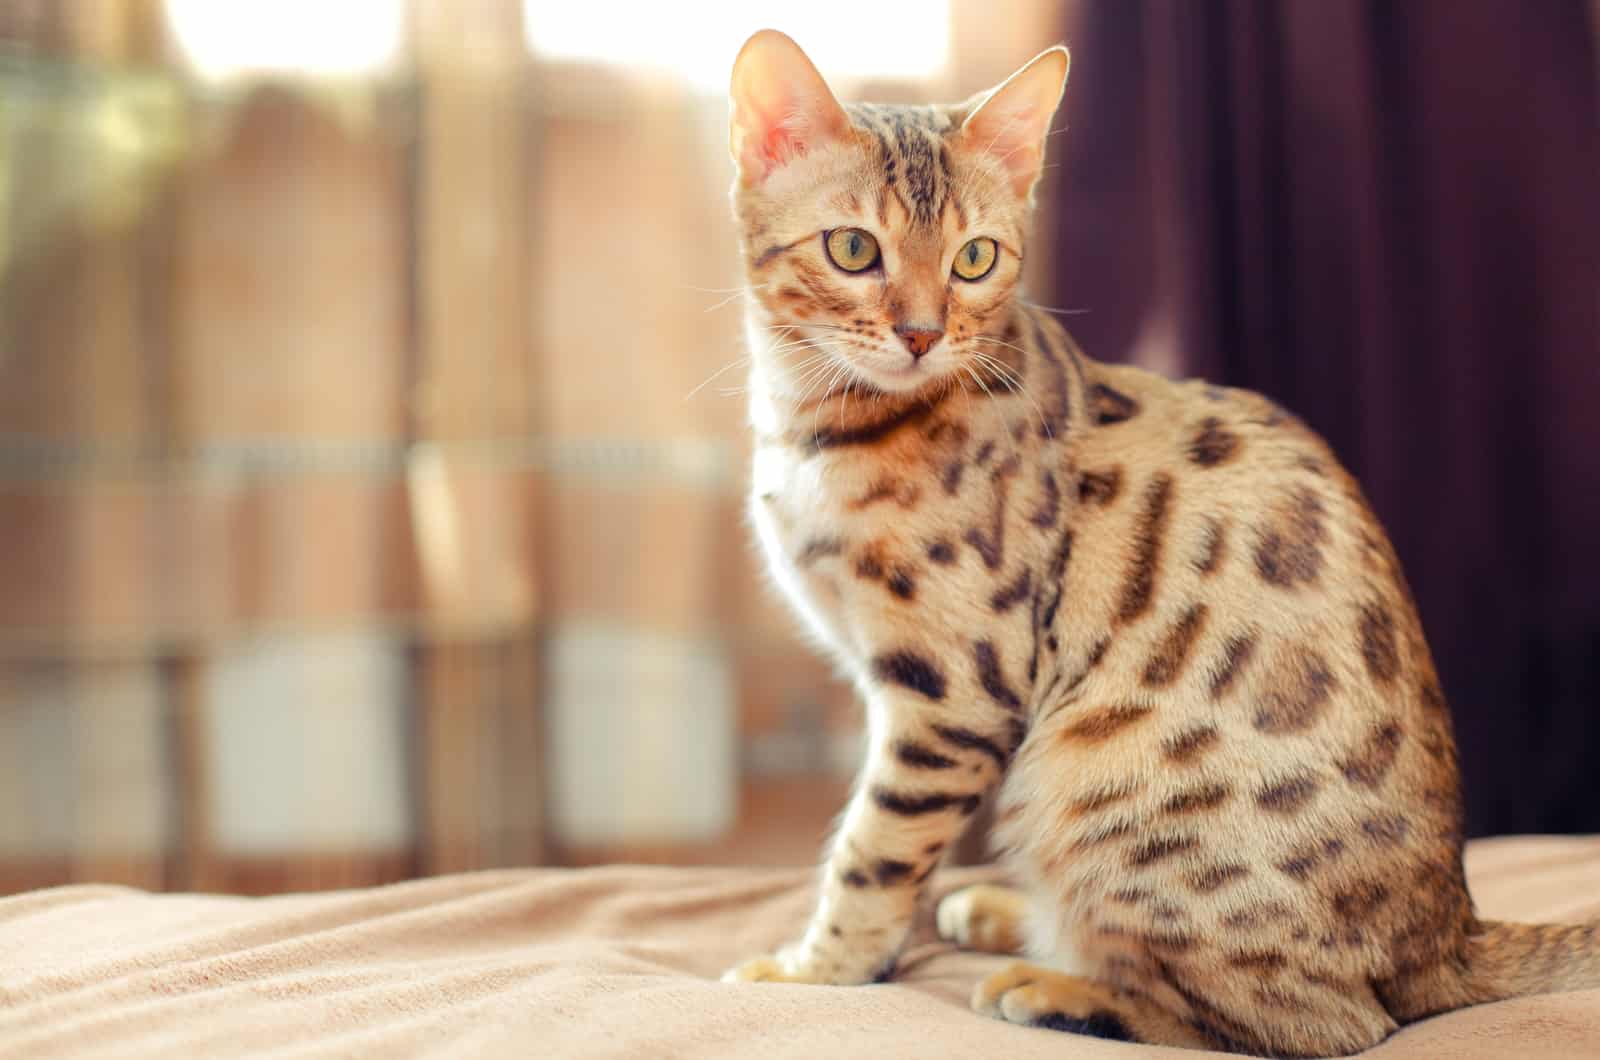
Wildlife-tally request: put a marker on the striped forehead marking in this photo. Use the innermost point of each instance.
(914, 155)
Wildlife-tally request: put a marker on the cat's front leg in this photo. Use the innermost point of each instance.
(928, 767)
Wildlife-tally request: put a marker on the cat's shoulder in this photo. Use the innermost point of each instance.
(1198, 429)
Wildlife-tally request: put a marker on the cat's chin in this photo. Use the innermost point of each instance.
(905, 380)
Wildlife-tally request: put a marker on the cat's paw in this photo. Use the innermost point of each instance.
(1040, 997)
(983, 917)
(1018, 993)
(769, 969)
(790, 966)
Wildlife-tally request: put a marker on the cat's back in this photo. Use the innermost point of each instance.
(1225, 564)
(1216, 499)
(1245, 711)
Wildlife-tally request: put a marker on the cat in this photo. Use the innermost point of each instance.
(1158, 616)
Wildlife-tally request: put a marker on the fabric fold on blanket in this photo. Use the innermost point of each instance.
(609, 962)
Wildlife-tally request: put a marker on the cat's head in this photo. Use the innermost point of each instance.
(883, 243)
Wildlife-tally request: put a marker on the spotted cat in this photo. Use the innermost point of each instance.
(1158, 615)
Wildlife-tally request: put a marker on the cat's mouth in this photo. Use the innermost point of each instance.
(897, 374)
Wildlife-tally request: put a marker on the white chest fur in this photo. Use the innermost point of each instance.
(799, 521)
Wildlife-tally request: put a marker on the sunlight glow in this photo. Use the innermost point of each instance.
(327, 38)
(696, 41)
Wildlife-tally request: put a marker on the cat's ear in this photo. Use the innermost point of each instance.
(1011, 121)
(781, 108)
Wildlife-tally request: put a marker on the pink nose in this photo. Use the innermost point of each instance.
(918, 340)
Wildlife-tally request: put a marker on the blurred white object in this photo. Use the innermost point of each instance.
(697, 41)
(642, 737)
(232, 38)
(307, 745)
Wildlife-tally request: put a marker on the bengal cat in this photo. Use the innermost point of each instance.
(1161, 613)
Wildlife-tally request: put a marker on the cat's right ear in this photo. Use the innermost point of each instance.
(781, 108)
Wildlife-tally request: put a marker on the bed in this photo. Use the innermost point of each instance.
(604, 962)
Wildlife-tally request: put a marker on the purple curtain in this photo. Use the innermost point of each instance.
(1386, 216)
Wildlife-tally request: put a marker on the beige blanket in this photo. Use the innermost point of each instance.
(601, 962)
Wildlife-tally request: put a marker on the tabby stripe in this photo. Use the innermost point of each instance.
(1059, 416)
(920, 757)
(1017, 727)
(991, 678)
(1166, 665)
(1216, 540)
(1378, 642)
(1303, 862)
(1098, 726)
(917, 805)
(1008, 596)
(1059, 559)
(1301, 691)
(1260, 961)
(1159, 849)
(1236, 652)
(1372, 762)
(1044, 516)
(1100, 800)
(1287, 796)
(991, 545)
(1149, 532)
(912, 671)
(1214, 445)
(951, 479)
(968, 740)
(1204, 797)
(1111, 406)
(901, 583)
(1186, 746)
(889, 872)
(872, 433)
(1100, 487)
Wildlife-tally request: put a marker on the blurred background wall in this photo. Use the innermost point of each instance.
(370, 495)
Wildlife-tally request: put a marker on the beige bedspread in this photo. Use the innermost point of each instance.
(601, 962)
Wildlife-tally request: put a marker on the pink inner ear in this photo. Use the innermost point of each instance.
(782, 144)
(782, 134)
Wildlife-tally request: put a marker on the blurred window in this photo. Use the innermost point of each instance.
(229, 38)
(897, 39)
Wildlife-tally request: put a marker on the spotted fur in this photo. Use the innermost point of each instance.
(1156, 616)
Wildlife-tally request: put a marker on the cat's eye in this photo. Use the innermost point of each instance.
(851, 249)
(974, 260)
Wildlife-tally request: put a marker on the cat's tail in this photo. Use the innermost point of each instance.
(1510, 960)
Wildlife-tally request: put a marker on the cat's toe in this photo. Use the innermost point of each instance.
(953, 917)
(1040, 997)
(982, 917)
(1027, 1004)
(988, 998)
(757, 970)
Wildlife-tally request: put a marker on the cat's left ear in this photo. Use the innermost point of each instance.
(781, 106)
(1011, 122)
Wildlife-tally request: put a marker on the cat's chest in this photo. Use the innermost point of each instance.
(846, 539)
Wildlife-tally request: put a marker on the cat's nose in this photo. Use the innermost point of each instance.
(918, 340)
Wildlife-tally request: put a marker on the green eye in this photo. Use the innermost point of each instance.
(974, 260)
(851, 249)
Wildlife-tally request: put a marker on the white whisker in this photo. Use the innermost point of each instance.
(731, 364)
(1013, 383)
(1053, 309)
